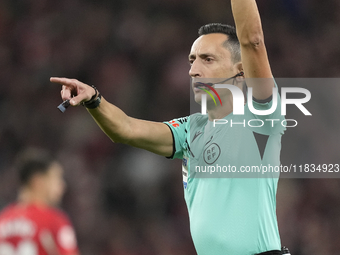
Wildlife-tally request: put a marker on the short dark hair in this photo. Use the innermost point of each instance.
(32, 162)
(232, 43)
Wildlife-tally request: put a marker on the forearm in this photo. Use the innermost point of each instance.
(248, 22)
(253, 50)
(152, 136)
(112, 120)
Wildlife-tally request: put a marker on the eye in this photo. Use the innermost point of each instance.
(208, 60)
(191, 61)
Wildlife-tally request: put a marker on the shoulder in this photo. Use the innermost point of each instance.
(57, 214)
(63, 231)
(198, 119)
(9, 209)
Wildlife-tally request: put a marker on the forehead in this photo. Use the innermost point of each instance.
(210, 44)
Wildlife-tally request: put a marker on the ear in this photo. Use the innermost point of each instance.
(238, 67)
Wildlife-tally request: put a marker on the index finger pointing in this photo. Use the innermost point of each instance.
(62, 81)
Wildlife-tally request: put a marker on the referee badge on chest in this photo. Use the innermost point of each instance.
(185, 163)
(211, 153)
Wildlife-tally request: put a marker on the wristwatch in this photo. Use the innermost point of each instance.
(94, 101)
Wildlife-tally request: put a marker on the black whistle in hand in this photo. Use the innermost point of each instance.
(63, 106)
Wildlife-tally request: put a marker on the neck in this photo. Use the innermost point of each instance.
(220, 111)
(28, 196)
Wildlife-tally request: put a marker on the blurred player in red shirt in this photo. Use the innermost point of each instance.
(32, 226)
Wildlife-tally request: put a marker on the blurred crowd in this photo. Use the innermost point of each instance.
(125, 201)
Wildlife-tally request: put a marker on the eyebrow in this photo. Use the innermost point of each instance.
(203, 55)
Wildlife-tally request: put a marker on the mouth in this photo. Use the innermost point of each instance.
(201, 85)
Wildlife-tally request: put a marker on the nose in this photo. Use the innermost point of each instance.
(195, 70)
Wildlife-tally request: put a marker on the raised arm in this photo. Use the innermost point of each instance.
(253, 51)
(152, 136)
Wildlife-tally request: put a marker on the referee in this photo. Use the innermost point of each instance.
(228, 216)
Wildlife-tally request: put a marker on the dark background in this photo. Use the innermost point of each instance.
(124, 201)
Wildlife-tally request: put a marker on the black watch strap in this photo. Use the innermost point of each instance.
(94, 101)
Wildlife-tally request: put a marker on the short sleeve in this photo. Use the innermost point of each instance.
(64, 234)
(179, 130)
(272, 123)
